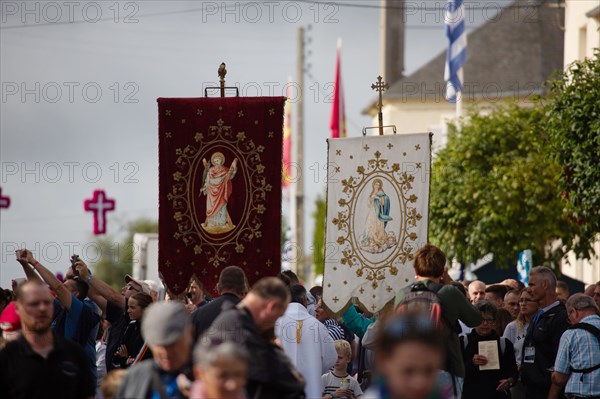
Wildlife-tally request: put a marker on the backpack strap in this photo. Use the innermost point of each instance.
(435, 287)
(595, 331)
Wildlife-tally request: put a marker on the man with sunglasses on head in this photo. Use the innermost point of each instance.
(113, 304)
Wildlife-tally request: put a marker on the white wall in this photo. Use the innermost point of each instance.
(586, 271)
(581, 32)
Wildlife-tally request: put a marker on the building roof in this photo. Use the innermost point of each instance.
(593, 13)
(513, 54)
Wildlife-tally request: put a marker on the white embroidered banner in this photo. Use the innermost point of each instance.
(377, 212)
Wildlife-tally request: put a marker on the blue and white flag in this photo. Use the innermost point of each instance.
(457, 48)
(524, 265)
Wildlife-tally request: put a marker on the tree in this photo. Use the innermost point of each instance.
(494, 188)
(319, 217)
(116, 257)
(573, 126)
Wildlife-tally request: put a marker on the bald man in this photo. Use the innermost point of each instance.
(40, 364)
(476, 291)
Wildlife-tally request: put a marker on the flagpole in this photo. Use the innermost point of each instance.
(459, 102)
(298, 214)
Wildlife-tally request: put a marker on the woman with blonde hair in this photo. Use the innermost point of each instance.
(516, 331)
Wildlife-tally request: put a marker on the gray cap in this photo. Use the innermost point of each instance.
(164, 322)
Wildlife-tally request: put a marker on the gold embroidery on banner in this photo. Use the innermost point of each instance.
(400, 184)
(217, 248)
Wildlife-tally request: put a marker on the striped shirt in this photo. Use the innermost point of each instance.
(579, 349)
(331, 382)
(333, 328)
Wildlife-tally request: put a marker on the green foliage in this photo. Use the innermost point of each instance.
(116, 256)
(573, 126)
(494, 188)
(319, 216)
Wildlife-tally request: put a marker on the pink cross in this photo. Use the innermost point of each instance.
(4, 201)
(99, 204)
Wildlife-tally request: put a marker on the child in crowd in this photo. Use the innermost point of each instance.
(338, 383)
(220, 370)
(111, 382)
(409, 356)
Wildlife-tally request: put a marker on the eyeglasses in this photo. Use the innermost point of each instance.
(131, 287)
(489, 321)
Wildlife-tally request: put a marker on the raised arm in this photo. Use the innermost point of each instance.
(63, 295)
(99, 289)
(29, 272)
(356, 322)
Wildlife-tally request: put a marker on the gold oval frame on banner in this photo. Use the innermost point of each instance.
(349, 246)
(182, 195)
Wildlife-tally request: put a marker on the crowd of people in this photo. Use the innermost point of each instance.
(80, 338)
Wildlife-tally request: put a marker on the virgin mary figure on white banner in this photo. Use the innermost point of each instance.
(377, 210)
(375, 239)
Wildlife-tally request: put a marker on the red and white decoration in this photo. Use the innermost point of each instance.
(4, 201)
(99, 204)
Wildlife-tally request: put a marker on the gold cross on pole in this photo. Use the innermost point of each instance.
(380, 87)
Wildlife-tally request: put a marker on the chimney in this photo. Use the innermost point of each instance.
(392, 40)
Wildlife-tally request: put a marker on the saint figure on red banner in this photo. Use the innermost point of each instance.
(216, 185)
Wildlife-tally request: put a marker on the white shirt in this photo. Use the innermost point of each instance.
(308, 344)
(516, 337)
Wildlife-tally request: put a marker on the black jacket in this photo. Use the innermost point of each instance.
(545, 338)
(483, 383)
(133, 341)
(270, 373)
(204, 316)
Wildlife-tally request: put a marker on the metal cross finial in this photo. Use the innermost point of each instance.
(380, 87)
(222, 72)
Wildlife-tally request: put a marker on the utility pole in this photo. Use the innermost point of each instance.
(298, 198)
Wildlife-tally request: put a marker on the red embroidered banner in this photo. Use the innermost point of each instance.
(219, 188)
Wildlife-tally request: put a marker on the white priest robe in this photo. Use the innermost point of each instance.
(308, 344)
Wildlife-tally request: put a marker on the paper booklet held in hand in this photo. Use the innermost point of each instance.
(489, 349)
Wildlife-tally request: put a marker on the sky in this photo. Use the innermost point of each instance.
(80, 81)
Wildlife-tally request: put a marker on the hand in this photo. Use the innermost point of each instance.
(504, 385)
(184, 384)
(122, 351)
(83, 270)
(190, 307)
(25, 255)
(340, 393)
(479, 360)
